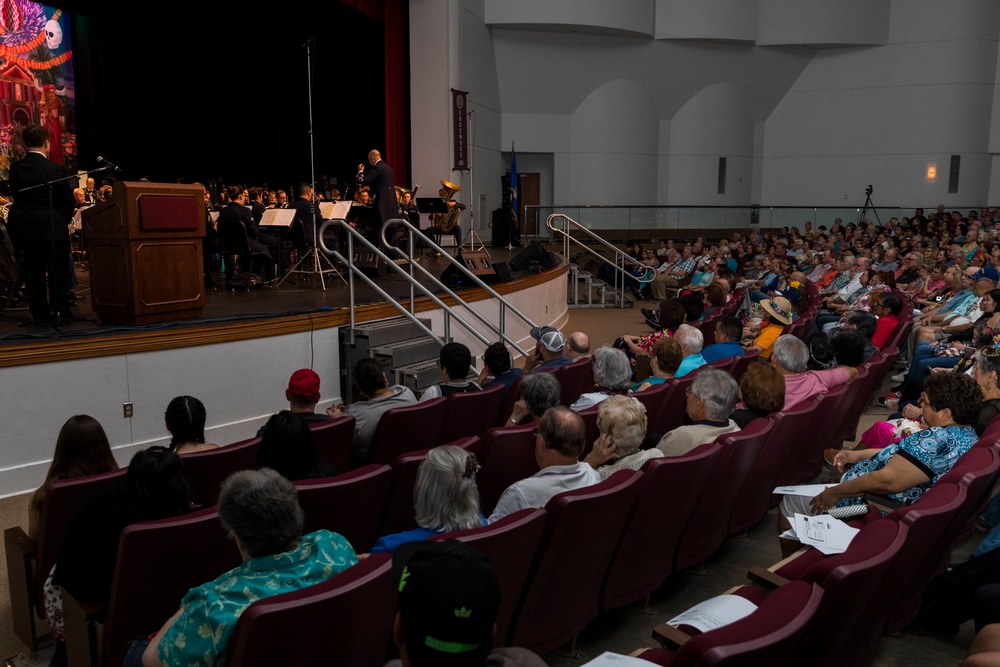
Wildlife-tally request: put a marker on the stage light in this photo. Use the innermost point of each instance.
(931, 172)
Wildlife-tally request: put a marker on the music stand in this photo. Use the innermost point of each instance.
(283, 214)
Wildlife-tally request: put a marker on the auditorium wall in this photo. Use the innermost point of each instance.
(809, 101)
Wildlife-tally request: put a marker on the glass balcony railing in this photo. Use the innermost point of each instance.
(635, 219)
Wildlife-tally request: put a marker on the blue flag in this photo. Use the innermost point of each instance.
(514, 195)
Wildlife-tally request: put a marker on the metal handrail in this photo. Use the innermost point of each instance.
(449, 311)
(621, 257)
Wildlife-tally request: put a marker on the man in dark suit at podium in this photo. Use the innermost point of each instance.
(39, 225)
(380, 179)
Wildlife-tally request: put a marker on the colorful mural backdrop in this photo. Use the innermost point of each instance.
(36, 80)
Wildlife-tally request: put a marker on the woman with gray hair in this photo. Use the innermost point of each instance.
(445, 497)
(612, 375)
(260, 510)
(621, 421)
(710, 400)
(539, 392)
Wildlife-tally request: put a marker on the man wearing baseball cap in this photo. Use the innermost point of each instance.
(549, 350)
(448, 603)
(303, 395)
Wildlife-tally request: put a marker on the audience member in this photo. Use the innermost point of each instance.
(376, 398)
(286, 445)
(445, 497)
(866, 323)
(303, 395)
(621, 421)
(612, 375)
(261, 512)
(559, 442)
(887, 308)
(779, 315)
(578, 345)
(82, 449)
(710, 400)
(185, 420)
(538, 393)
(762, 393)
(455, 361)
(691, 341)
(663, 363)
(549, 346)
(436, 579)
(848, 347)
(728, 331)
(153, 488)
(497, 364)
(791, 359)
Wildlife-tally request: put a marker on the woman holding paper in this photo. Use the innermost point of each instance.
(949, 404)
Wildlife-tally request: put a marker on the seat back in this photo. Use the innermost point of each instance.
(206, 470)
(755, 495)
(765, 637)
(804, 449)
(333, 440)
(61, 501)
(645, 555)
(471, 413)
(652, 399)
(407, 429)
(508, 455)
(158, 562)
(350, 504)
(707, 528)
(358, 604)
(509, 400)
(233, 236)
(673, 412)
(589, 417)
(838, 401)
(977, 470)
(559, 600)
(741, 364)
(575, 379)
(511, 544)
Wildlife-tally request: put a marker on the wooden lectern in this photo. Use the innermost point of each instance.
(145, 252)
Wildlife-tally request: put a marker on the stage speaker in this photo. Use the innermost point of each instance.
(534, 257)
(478, 263)
(503, 271)
(369, 263)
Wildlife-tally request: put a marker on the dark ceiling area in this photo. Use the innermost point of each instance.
(199, 92)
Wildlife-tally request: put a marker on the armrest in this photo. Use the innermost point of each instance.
(20, 553)
(884, 503)
(669, 636)
(765, 578)
(81, 618)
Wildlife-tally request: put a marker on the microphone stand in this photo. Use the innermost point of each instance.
(313, 253)
(473, 237)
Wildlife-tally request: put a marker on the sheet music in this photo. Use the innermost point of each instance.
(829, 535)
(807, 490)
(335, 210)
(608, 658)
(280, 218)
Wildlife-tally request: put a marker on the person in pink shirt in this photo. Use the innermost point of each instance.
(791, 358)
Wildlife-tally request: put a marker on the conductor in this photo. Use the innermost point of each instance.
(39, 225)
(379, 178)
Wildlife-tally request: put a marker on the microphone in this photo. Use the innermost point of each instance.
(109, 163)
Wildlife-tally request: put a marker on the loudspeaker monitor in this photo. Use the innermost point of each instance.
(535, 255)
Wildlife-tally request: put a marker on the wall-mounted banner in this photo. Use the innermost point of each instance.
(460, 128)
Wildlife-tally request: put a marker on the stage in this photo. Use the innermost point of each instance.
(230, 313)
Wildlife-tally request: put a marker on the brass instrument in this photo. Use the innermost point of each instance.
(445, 222)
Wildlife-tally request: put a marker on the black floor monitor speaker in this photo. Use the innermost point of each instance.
(535, 256)
(368, 262)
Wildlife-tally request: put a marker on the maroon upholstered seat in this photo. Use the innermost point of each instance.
(471, 413)
(583, 527)
(350, 504)
(645, 555)
(673, 412)
(408, 429)
(333, 440)
(511, 544)
(507, 455)
(206, 470)
(575, 379)
(344, 620)
(741, 364)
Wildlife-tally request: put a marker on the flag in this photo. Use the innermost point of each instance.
(514, 196)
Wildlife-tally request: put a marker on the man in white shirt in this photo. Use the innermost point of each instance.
(559, 442)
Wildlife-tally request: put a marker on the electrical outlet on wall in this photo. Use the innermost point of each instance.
(127, 410)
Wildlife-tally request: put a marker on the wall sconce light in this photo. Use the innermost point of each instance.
(931, 172)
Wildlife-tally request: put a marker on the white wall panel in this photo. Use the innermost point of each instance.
(822, 23)
(629, 16)
(724, 20)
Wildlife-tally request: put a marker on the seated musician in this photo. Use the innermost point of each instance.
(447, 223)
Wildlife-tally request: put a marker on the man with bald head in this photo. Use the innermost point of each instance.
(577, 346)
(379, 178)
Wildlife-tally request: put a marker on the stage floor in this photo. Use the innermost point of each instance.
(299, 295)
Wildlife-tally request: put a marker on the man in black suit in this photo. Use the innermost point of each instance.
(237, 211)
(379, 178)
(39, 225)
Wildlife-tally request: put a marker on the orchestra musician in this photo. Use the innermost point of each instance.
(447, 223)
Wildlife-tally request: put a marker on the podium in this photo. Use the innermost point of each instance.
(145, 250)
